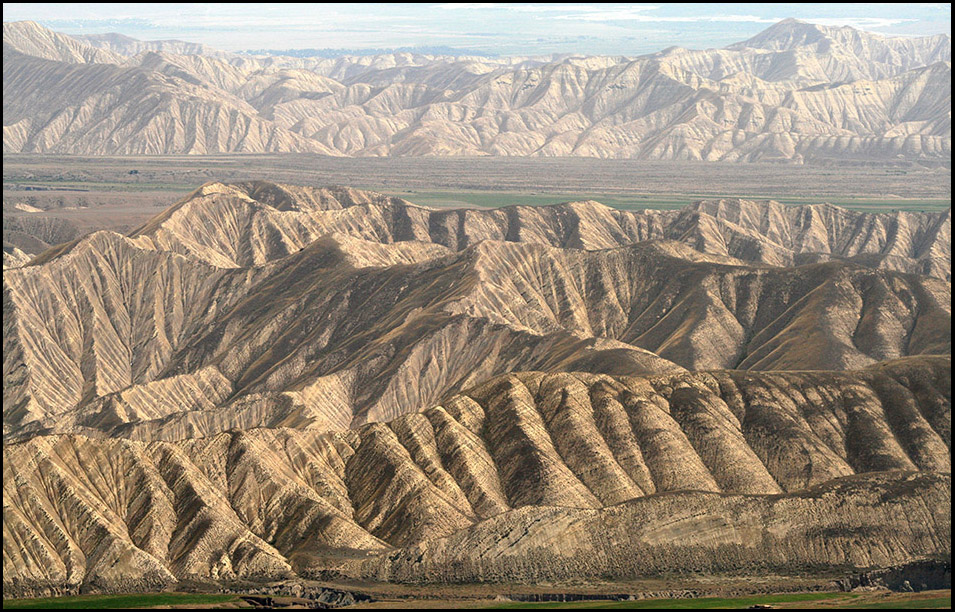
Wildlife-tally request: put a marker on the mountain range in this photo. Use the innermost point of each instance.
(324, 308)
(796, 92)
(526, 478)
(268, 382)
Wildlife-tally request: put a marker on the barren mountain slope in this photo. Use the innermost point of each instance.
(89, 109)
(253, 223)
(30, 38)
(797, 91)
(337, 336)
(13, 257)
(480, 487)
(852, 53)
(345, 330)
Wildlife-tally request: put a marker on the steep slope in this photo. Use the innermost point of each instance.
(795, 92)
(30, 38)
(251, 224)
(88, 109)
(332, 330)
(102, 329)
(527, 477)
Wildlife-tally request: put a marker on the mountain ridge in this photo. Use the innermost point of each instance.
(330, 307)
(747, 102)
(452, 480)
(757, 232)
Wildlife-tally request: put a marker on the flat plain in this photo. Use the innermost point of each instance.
(120, 193)
(818, 600)
(493, 181)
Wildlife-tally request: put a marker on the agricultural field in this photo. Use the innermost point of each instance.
(105, 602)
(817, 600)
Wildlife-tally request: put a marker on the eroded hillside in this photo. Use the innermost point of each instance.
(267, 305)
(268, 381)
(526, 477)
(795, 92)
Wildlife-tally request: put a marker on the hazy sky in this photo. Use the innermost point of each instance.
(505, 29)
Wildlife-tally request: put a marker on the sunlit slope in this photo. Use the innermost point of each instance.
(795, 92)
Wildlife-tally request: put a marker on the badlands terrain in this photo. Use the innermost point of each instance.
(264, 304)
(712, 377)
(797, 92)
(268, 381)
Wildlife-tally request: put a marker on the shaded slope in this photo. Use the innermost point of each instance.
(261, 304)
(500, 472)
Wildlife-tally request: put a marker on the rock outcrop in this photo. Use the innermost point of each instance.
(265, 305)
(527, 477)
(797, 92)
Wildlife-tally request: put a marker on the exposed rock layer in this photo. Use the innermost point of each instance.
(526, 477)
(795, 92)
(266, 305)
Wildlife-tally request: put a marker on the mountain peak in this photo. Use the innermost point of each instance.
(783, 35)
(347, 107)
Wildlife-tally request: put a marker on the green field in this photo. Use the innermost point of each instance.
(493, 199)
(102, 602)
(912, 604)
(683, 604)
(827, 600)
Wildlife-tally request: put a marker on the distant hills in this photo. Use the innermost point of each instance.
(793, 93)
(331, 53)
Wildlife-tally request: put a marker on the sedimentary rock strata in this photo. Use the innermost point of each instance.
(525, 477)
(795, 92)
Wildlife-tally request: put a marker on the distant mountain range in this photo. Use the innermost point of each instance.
(795, 92)
(331, 53)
